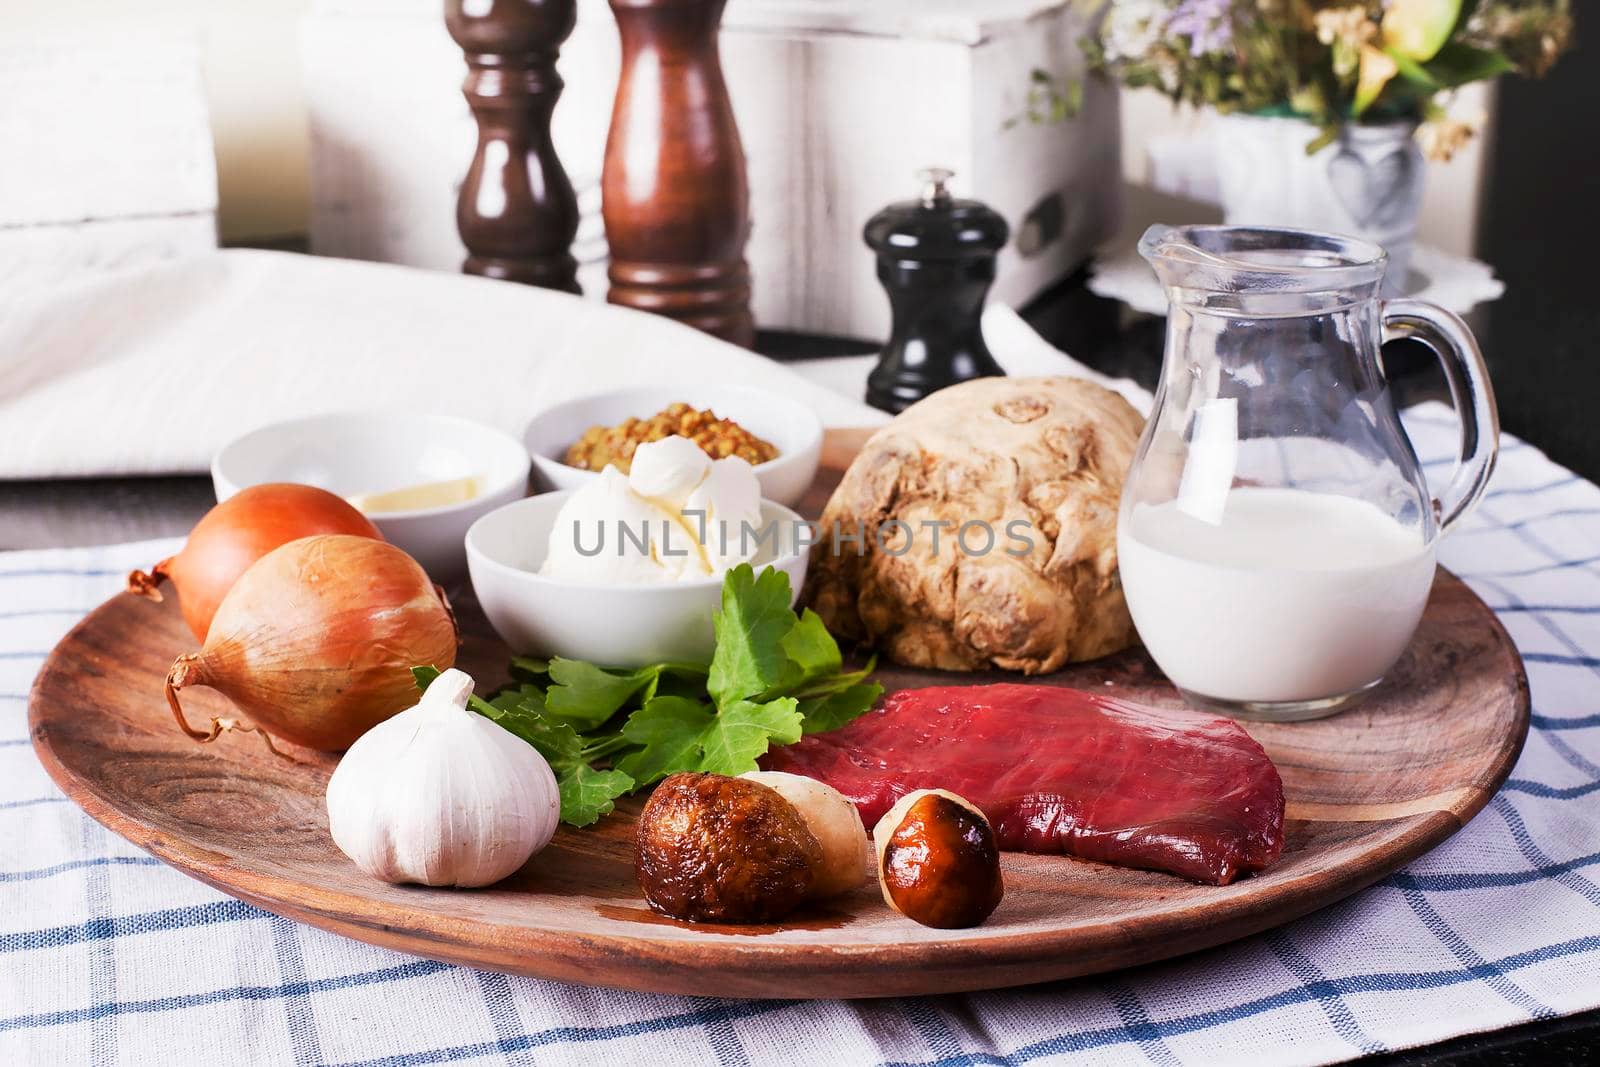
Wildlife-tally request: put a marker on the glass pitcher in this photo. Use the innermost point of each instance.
(1276, 536)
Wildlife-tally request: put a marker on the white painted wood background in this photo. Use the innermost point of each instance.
(105, 153)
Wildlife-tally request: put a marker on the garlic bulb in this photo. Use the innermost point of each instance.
(441, 795)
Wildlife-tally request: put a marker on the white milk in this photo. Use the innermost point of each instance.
(1292, 596)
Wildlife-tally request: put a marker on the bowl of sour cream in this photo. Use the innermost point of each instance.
(627, 570)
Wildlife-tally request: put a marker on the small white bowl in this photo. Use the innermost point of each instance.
(610, 625)
(790, 426)
(370, 452)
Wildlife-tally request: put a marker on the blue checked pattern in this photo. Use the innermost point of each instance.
(108, 956)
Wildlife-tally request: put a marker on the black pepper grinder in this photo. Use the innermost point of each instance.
(936, 259)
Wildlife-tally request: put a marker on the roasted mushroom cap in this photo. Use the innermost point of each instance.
(718, 849)
(937, 860)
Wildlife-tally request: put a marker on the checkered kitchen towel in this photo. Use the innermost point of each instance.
(108, 956)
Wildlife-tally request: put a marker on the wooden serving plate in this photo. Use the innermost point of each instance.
(1368, 791)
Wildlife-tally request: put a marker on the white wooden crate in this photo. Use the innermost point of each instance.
(105, 153)
(838, 104)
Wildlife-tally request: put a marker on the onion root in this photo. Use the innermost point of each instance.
(147, 585)
(186, 671)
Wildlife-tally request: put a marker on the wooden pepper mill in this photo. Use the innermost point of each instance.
(517, 212)
(674, 193)
(936, 260)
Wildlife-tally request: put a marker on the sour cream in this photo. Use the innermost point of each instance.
(677, 515)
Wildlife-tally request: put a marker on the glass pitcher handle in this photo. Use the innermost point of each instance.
(1470, 391)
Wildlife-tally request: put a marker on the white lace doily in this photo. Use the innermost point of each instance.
(1455, 283)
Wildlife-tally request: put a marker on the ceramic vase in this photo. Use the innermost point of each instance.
(1367, 183)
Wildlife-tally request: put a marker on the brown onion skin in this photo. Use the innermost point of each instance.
(316, 640)
(236, 533)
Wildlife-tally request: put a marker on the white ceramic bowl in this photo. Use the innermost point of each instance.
(790, 426)
(366, 452)
(611, 625)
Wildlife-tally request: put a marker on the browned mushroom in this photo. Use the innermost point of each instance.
(833, 821)
(727, 850)
(937, 860)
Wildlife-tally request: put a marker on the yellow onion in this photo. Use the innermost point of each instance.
(235, 534)
(316, 640)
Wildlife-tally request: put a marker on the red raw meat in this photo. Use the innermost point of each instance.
(1059, 770)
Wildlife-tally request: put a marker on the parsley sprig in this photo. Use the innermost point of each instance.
(607, 732)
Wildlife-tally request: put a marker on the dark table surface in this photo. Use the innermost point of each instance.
(1100, 332)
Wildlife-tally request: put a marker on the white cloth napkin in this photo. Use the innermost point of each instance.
(152, 371)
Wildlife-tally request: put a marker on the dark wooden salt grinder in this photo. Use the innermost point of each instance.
(936, 259)
(517, 213)
(673, 189)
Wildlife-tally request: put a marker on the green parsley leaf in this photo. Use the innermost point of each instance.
(833, 684)
(675, 679)
(559, 744)
(812, 651)
(524, 696)
(530, 669)
(687, 735)
(755, 616)
(588, 794)
(585, 696)
(742, 732)
(671, 730)
(835, 709)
